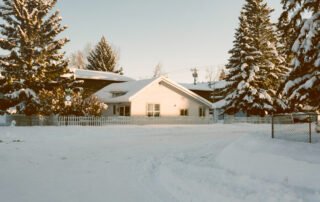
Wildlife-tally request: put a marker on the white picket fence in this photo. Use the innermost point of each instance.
(103, 121)
(22, 120)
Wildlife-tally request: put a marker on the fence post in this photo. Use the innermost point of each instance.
(272, 126)
(310, 129)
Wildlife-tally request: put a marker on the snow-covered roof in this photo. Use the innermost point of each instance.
(219, 104)
(205, 86)
(220, 84)
(132, 88)
(198, 86)
(99, 75)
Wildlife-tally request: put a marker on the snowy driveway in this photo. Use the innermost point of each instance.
(159, 163)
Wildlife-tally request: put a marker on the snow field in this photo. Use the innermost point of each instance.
(156, 163)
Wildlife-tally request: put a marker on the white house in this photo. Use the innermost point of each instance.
(152, 97)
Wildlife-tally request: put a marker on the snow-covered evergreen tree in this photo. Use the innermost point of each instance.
(33, 62)
(303, 84)
(287, 34)
(255, 65)
(103, 58)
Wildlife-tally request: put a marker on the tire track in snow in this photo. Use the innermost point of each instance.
(193, 175)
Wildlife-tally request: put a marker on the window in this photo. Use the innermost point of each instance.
(202, 112)
(184, 112)
(124, 111)
(153, 110)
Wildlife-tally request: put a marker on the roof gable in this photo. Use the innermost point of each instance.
(130, 88)
(187, 92)
(134, 88)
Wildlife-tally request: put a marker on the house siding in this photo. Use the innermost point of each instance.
(171, 101)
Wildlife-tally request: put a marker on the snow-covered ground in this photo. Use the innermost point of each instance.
(155, 164)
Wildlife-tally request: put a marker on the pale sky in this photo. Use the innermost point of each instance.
(179, 34)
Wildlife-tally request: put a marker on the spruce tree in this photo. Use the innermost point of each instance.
(34, 61)
(103, 58)
(285, 35)
(234, 75)
(255, 64)
(302, 87)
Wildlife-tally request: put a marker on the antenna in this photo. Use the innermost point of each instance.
(195, 75)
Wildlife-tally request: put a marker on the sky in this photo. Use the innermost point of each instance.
(179, 34)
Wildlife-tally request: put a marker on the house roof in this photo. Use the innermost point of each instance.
(220, 104)
(99, 75)
(205, 86)
(132, 88)
(198, 86)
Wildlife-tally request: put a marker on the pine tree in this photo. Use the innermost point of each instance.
(255, 65)
(285, 35)
(34, 62)
(302, 87)
(103, 58)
